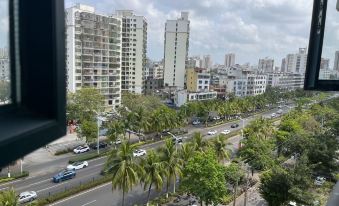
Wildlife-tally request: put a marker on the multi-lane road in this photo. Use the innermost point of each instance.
(103, 194)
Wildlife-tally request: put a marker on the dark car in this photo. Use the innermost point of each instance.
(64, 175)
(101, 145)
(234, 125)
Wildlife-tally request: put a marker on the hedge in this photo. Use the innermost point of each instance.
(64, 151)
(14, 176)
(72, 191)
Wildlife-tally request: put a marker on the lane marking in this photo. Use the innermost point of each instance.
(82, 193)
(88, 203)
(5, 188)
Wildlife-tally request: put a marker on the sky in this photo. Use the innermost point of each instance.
(251, 29)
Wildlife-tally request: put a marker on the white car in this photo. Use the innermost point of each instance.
(118, 141)
(196, 122)
(77, 165)
(319, 181)
(27, 196)
(226, 131)
(139, 153)
(81, 149)
(216, 118)
(212, 132)
(273, 115)
(280, 111)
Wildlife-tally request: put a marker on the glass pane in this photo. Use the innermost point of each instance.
(4, 54)
(329, 66)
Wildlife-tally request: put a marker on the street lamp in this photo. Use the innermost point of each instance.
(99, 120)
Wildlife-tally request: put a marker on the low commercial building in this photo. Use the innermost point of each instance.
(250, 85)
(288, 81)
(183, 96)
(197, 80)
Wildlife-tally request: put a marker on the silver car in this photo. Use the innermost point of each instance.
(27, 196)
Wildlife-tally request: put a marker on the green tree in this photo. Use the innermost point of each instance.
(123, 168)
(5, 91)
(199, 144)
(84, 103)
(219, 145)
(88, 130)
(172, 163)
(8, 198)
(204, 177)
(275, 186)
(186, 152)
(115, 129)
(153, 171)
(234, 175)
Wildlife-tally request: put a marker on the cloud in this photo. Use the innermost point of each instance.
(251, 28)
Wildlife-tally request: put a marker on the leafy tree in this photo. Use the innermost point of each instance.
(133, 102)
(186, 152)
(234, 175)
(8, 198)
(275, 186)
(84, 103)
(89, 130)
(153, 170)
(123, 168)
(172, 163)
(115, 129)
(219, 145)
(281, 138)
(199, 144)
(204, 177)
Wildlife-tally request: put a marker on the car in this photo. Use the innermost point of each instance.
(196, 122)
(117, 141)
(101, 145)
(279, 106)
(177, 140)
(27, 196)
(280, 111)
(77, 165)
(64, 175)
(139, 153)
(216, 118)
(226, 131)
(212, 132)
(273, 115)
(81, 149)
(234, 125)
(319, 180)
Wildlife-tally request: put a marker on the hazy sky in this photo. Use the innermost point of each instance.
(252, 29)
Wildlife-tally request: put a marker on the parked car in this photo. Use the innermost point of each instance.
(81, 149)
(27, 196)
(177, 139)
(234, 125)
(118, 141)
(280, 111)
(216, 118)
(196, 122)
(226, 131)
(139, 153)
(77, 165)
(319, 180)
(212, 132)
(273, 115)
(101, 145)
(64, 175)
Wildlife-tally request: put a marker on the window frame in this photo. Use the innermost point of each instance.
(37, 114)
(312, 81)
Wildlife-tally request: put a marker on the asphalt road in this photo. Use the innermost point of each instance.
(103, 195)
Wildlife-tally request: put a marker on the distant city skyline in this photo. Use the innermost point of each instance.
(252, 29)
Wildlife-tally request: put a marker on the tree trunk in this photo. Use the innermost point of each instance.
(167, 186)
(201, 202)
(149, 193)
(174, 181)
(123, 198)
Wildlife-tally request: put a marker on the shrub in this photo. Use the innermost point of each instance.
(84, 157)
(14, 176)
(64, 151)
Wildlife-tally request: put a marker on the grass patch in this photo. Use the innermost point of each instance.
(14, 176)
(72, 191)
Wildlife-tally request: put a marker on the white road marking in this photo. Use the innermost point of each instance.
(79, 194)
(5, 188)
(88, 203)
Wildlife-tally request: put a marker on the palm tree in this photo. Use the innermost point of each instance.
(8, 198)
(115, 129)
(141, 120)
(186, 152)
(172, 163)
(198, 143)
(219, 145)
(123, 168)
(129, 123)
(153, 170)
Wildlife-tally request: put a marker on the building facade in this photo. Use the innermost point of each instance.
(93, 43)
(153, 86)
(325, 63)
(182, 97)
(250, 85)
(266, 65)
(288, 81)
(336, 61)
(229, 60)
(4, 64)
(176, 50)
(197, 81)
(206, 62)
(134, 48)
(296, 63)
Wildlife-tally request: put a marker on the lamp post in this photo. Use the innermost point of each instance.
(99, 119)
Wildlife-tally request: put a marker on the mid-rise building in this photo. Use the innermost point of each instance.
(250, 85)
(153, 86)
(134, 48)
(93, 59)
(327, 74)
(283, 65)
(193, 62)
(176, 50)
(296, 63)
(197, 80)
(283, 80)
(206, 62)
(336, 61)
(229, 60)
(266, 65)
(4, 64)
(325, 63)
